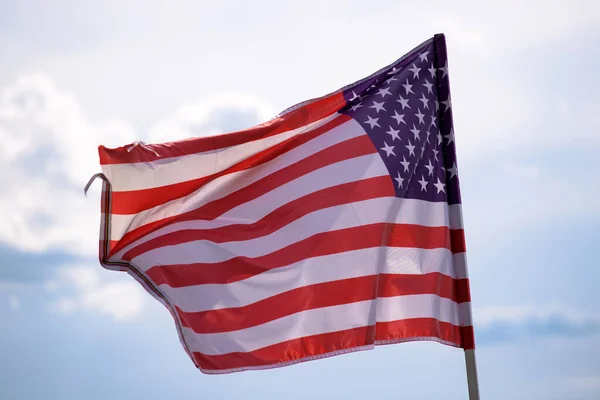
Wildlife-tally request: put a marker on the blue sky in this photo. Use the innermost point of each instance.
(77, 74)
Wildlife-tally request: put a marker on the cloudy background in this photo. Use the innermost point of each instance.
(525, 78)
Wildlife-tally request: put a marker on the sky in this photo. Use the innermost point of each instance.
(76, 74)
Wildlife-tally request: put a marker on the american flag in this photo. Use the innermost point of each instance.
(333, 227)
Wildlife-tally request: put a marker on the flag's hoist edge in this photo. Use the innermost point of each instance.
(104, 244)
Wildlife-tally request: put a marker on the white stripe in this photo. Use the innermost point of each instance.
(460, 266)
(324, 320)
(465, 316)
(329, 219)
(227, 184)
(168, 171)
(456, 217)
(333, 267)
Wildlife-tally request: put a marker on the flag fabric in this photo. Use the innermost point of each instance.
(334, 227)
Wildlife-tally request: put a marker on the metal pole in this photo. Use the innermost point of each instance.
(472, 380)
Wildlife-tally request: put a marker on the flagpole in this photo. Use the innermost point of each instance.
(472, 381)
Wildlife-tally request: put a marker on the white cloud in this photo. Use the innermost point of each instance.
(585, 383)
(534, 21)
(14, 303)
(506, 324)
(521, 170)
(519, 314)
(224, 113)
(121, 300)
(66, 305)
(81, 278)
(503, 197)
(48, 151)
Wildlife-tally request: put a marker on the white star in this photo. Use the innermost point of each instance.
(393, 71)
(423, 183)
(433, 123)
(398, 117)
(405, 164)
(407, 87)
(388, 149)
(428, 133)
(378, 106)
(435, 153)
(440, 186)
(425, 101)
(354, 96)
(404, 102)
(450, 136)
(383, 92)
(444, 69)
(439, 137)
(422, 150)
(447, 103)
(390, 80)
(415, 71)
(432, 71)
(437, 105)
(415, 132)
(421, 117)
(453, 171)
(411, 149)
(356, 106)
(394, 134)
(400, 180)
(429, 167)
(372, 122)
(429, 86)
(423, 56)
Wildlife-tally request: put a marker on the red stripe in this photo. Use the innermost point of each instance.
(298, 350)
(458, 241)
(321, 244)
(423, 328)
(355, 147)
(365, 189)
(307, 114)
(134, 201)
(112, 246)
(327, 294)
(468, 337)
(457, 290)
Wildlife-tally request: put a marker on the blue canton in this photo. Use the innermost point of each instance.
(407, 112)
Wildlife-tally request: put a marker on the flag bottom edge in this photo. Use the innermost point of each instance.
(330, 354)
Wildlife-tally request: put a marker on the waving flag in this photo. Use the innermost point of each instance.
(334, 227)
